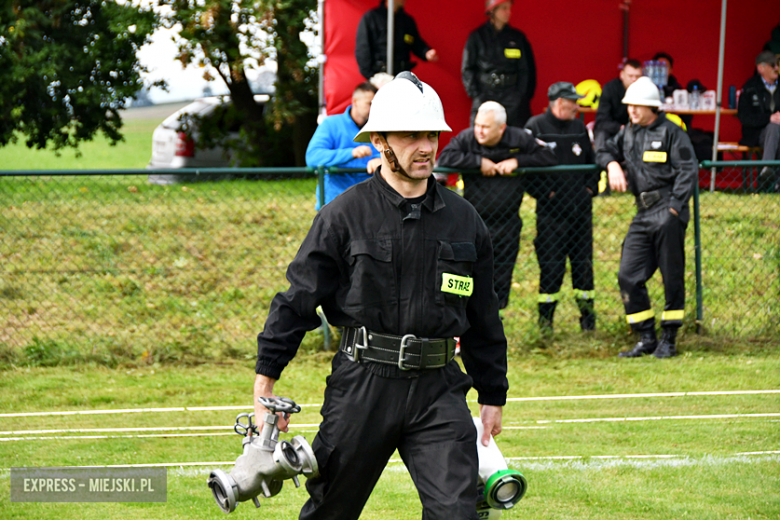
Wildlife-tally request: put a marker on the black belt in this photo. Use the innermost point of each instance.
(648, 199)
(406, 352)
(498, 80)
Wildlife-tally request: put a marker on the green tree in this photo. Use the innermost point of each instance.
(68, 68)
(232, 35)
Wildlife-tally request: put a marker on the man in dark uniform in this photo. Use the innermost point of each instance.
(404, 265)
(564, 210)
(371, 41)
(496, 150)
(662, 170)
(612, 114)
(759, 113)
(498, 65)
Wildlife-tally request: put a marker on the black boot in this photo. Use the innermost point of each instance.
(666, 347)
(587, 314)
(647, 345)
(546, 313)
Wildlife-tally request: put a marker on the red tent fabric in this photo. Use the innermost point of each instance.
(572, 41)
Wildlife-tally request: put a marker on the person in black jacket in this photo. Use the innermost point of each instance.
(498, 65)
(661, 173)
(759, 113)
(612, 114)
(404, 265)
(371, 41)
(564, 210)
(497, 150)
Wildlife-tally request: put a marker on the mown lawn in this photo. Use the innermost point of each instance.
(583, 458)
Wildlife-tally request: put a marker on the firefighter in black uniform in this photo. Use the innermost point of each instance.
(564, 209)
(661, 172)
(612, 114)
(496, 150)
(371, 41)
(404, 265)
(498, 65)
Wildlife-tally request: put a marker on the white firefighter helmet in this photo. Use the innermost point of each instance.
(406, 104)
(643, 92)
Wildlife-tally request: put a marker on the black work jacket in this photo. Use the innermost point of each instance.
(570, 142)
(657, 156)
(506, 52)
(754, 109)
(612, 113)
(371, 260)
(465, 152)
(371, 42)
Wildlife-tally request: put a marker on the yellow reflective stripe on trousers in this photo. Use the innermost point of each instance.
(548, 298)
(640, 316)
(584, 295)
(672, 315)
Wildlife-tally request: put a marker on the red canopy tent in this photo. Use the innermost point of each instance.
(572, 41)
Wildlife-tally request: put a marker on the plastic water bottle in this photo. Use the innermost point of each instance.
(695, 95)
(732, 96)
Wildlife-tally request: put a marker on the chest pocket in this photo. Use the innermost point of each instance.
(454, 283)
(372, 277)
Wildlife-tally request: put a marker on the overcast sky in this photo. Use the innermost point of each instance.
(159, 57)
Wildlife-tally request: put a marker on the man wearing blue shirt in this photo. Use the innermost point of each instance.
(332, 145)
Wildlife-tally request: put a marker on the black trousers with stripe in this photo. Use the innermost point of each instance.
(655, 240)
(366, 417)
(561, 237)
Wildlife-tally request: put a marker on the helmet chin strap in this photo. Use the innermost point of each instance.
(389, 154)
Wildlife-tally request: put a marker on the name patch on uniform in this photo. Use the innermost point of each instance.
(654, 157)
(454, 284)
(512, 54)
(408, 39)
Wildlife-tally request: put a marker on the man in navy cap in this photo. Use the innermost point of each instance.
(564, 212)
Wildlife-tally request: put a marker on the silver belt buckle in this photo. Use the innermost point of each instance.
(353, 352)
(642, 198)
(402, 350)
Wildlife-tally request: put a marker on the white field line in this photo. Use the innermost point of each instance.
(534, 463)
(661, 418)
(511, 400)
(297, 426)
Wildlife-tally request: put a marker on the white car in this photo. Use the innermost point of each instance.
(173, 148)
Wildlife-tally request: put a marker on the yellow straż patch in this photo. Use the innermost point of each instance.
(654, 157)
(454, 284)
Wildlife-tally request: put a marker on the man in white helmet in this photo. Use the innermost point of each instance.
(403, 265)
(661, 170)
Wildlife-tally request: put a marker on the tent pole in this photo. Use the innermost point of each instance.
(390, 34)
(321, 59)
(719, 93)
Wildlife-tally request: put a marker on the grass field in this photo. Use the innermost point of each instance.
(676, 463)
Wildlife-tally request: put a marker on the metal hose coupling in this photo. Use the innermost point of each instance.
(266, 461)
(500, 487)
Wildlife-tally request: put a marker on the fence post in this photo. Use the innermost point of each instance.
(697, 250)
(321, 184)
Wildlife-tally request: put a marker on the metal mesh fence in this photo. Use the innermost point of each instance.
(109, 268)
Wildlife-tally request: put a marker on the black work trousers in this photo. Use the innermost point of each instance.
(366, 417)
(497, 200)
(560, 237)
(655, 240)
